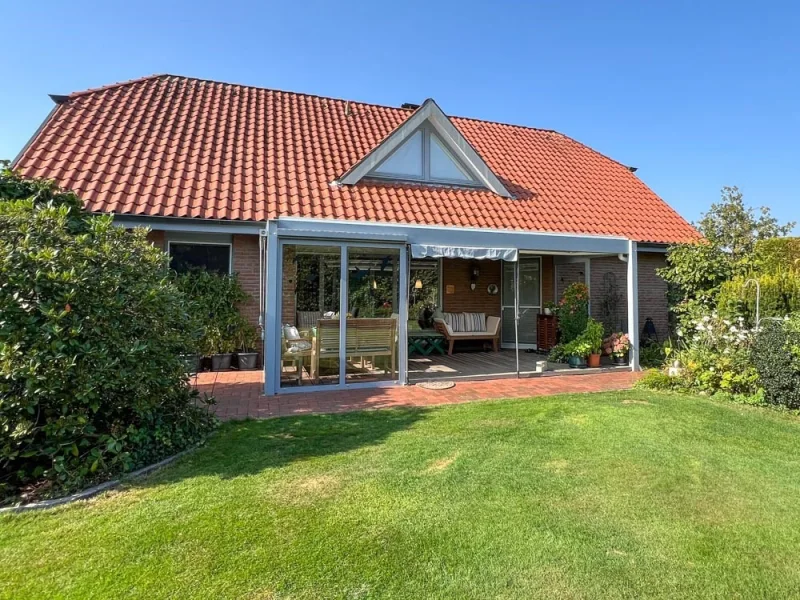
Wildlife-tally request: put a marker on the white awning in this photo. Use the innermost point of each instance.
(431, 251)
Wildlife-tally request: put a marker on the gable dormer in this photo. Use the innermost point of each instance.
(426, 148)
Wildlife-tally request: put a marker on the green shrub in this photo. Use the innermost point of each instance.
(573, 312)
(215, 300)
(652, 356)
(776, 357)
(91, 382)
(780, 295)
(776, 254)
(655, 379)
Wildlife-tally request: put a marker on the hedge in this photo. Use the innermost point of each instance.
(91, 332)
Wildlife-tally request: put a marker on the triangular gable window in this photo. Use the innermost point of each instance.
(426, 147)
(406, 161)
(423, 157)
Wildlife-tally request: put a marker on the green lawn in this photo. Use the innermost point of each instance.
(620, 495)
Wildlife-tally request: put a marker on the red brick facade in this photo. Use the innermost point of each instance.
(609, 272)
(246, 264)
(608, 279)
(156, 238)
(456, 273)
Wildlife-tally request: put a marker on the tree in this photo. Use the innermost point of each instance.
(731, 230)
(734, 228)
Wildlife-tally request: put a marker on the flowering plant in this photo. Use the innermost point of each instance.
(573, 311)
(617, 344)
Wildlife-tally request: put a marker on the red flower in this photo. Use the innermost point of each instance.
(67, 308)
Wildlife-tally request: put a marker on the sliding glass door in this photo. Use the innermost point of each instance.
(342, 314)
(373, 314)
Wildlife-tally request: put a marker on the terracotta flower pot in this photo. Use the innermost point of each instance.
(594, 361)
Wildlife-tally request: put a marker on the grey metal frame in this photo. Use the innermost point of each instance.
(516, 300)
(272, 363)
(361, 234)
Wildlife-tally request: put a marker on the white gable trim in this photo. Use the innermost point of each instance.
(455, 142)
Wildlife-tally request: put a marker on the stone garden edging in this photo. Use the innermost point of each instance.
(97, 489)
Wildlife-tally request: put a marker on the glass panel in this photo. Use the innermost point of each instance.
(443, 165)
(212, 257)
(310, 315)
(405, 160)
(529, 281)
(508, 284)
(423, 293)
(373, 281)
(529, 299)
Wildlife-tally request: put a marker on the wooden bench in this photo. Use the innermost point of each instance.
(365, 338)
(491, 334)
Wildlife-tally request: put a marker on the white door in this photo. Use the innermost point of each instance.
(530, 301)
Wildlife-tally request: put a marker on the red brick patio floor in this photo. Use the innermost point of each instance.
(239, 394)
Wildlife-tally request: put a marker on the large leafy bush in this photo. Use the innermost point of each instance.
(91, 329)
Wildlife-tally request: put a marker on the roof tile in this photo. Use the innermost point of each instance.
(167, 145)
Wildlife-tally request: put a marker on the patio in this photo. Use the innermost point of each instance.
(239, 394)
(475, 366)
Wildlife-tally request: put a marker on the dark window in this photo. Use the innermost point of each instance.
(212, 257)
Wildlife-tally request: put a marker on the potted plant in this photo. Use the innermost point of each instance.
(248, 341)
(219, 347)
(593, 335)
(550, 308)
(577, 350)
(617, 345)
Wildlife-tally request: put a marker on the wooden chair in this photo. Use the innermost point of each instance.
(306, 319)
(491, 334)
(365, 338)
(297, 358)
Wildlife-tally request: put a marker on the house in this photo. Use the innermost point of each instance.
(384, 214)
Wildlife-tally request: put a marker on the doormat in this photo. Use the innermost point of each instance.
(436, 385)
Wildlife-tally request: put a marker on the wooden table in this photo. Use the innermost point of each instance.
(425, 342)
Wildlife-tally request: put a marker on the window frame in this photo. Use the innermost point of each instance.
(202, 243)
(427, 131)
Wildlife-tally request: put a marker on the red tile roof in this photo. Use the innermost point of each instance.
(180, 147)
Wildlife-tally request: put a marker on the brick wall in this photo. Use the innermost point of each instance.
(156, 238)
(568, 273)
(548, 280)
(652, 292)
(246, 264)
(456, 272)
(289, 287)
(608, 274)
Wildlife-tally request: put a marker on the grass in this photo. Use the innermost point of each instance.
(619, 495)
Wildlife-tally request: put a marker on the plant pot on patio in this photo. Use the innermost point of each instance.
(246, 361)
(192, 362)
(621, 360)
(594, 361)
(221, 362)
(576, 362)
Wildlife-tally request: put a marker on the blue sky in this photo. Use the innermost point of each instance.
(696, 94)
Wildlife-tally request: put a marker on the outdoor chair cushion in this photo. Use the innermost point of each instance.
(466, 322)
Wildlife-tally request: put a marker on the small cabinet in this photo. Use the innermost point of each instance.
(546, 327)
